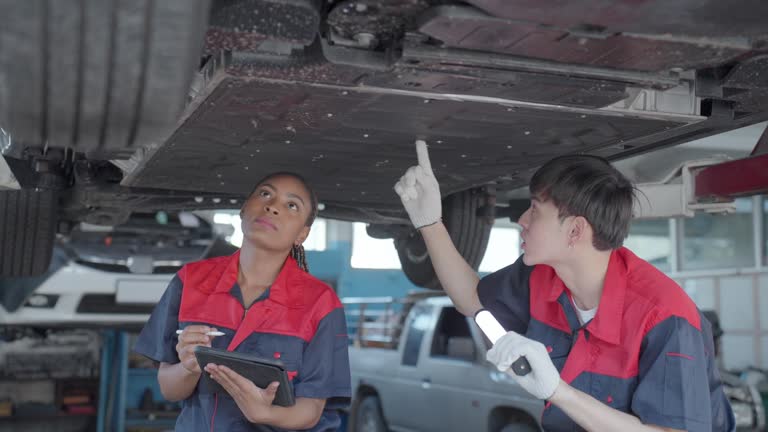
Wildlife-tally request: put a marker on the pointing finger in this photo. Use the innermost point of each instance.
(423, 155)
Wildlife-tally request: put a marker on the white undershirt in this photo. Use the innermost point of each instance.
(584, 315)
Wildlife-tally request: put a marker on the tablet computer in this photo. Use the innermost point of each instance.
(257, 369)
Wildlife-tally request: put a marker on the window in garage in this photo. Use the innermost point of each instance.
(372, 253)
(737, 318)
(763, 317)
(503, 249)
(719, 241)
(317, 236)
(765, 231)
(651, 241)
(702, 292)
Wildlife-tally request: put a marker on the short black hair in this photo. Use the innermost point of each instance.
(588, 186)
(312, 196)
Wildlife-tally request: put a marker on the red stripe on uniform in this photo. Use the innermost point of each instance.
(674, 354)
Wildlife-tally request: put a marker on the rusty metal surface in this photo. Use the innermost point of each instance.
(541, 88)
(353, 145)
(749, 74)
(243, 25)
(385, 20)
(706, 18)
(747, 85)
(448, 72)
(467, 28)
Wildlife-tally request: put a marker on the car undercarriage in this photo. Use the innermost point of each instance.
(185, 104)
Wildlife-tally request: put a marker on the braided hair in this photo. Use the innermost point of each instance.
(297, 251)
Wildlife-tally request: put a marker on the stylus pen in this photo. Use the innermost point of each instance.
(212, 333)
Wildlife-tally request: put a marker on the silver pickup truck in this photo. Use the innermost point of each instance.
(419, 365)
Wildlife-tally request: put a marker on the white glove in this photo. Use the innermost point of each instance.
(542, 380)
(419, 191)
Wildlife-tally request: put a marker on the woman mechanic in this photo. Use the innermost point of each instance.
(266, 303)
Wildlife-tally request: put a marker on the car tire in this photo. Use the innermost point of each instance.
(468, 229)
(368, 416)
(27, 231)
(99, 77)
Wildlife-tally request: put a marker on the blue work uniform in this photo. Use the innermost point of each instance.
(648, 351)
(299, 321)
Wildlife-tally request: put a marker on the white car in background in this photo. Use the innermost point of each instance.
(110, 276)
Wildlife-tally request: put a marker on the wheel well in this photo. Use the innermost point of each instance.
(362, 391)
(502, 416)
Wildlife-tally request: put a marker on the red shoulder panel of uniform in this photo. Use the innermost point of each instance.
(545, 288)
(655, 295)
(199, 300)
(204, 274)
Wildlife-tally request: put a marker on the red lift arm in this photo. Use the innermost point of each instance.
(742, 177)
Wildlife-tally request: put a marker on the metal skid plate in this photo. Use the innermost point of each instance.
(353, 143)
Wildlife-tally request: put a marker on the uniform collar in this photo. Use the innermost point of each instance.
(285, 290)
(606, 324)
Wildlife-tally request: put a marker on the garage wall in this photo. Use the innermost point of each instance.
(720, 261)
(333, 265)
(742, 304)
